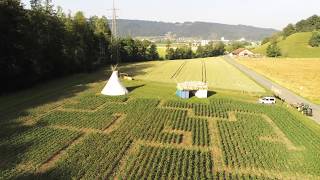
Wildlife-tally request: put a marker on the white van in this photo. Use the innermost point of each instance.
(267, 100)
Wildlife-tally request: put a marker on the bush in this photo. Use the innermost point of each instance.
(179, 53)
(273, 50)
(211, 50)
(315, 39)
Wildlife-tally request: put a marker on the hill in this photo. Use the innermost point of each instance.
(294, 46)
(203, 30)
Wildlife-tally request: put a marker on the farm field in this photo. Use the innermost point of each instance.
(66, 130)
(218, 73)
(299, 75)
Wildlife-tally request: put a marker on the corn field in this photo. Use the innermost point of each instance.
(94, 137)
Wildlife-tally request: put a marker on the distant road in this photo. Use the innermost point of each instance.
(283, 92)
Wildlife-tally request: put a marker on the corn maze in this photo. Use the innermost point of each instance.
(97, 137)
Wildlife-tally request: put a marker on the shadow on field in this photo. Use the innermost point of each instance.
(132, 88)
(211, 93)
(10, 153)
(135, 69)
(18, 105)
(52, 174)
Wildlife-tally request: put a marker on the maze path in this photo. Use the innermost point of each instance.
(217, 153)
(116, 123)
(50, 163)
(214, 147)
(282, 138)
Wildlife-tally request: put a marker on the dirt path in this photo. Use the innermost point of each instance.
(282, 138)
(269, 173)
(51, 162)
(283, 92)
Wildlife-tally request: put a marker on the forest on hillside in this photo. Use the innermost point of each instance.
(200, 30)
(311, 24)
(306, 25)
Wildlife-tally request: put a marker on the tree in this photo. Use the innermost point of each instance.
(236, 45)
(13, 41)
(315, 39)
(102, 32)
(218, 49)
(265, 40)
(35, 4)
(153, 52)
(200, 52)
(170, 54)
(289, 30)
(273, 50)
(310, 24)
(211, 50)
(41, 43)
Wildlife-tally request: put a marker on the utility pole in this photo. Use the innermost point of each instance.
(114, 21)
(114, 37)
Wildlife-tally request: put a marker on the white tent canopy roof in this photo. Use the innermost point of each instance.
(114, 87)
(192, 85)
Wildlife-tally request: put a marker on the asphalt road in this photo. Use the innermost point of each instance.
(283, 92)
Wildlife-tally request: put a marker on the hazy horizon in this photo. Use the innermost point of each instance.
(267, 14)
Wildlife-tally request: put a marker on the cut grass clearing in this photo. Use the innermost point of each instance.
(299, 75)
(219, 74)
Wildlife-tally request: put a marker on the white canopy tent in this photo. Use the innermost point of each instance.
(114, 87)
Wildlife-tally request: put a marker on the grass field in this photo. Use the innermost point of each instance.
(66, 130)
(218, 73)
(299, 75)
(162, 51)
(294, 46)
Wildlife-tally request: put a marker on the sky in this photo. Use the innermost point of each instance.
(261, 13)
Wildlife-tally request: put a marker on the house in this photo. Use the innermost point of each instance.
(242, 52)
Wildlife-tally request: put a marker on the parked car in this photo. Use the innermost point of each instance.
(267, 100)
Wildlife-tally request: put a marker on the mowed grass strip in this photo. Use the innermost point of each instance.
(299, 75)
(160, 71)
(220, 74)
(191, 71)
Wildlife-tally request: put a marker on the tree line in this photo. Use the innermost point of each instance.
(311, 24)
(306, 25)
(185, 52)
(43, 43)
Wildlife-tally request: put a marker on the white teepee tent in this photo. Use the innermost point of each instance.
(114, 86)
